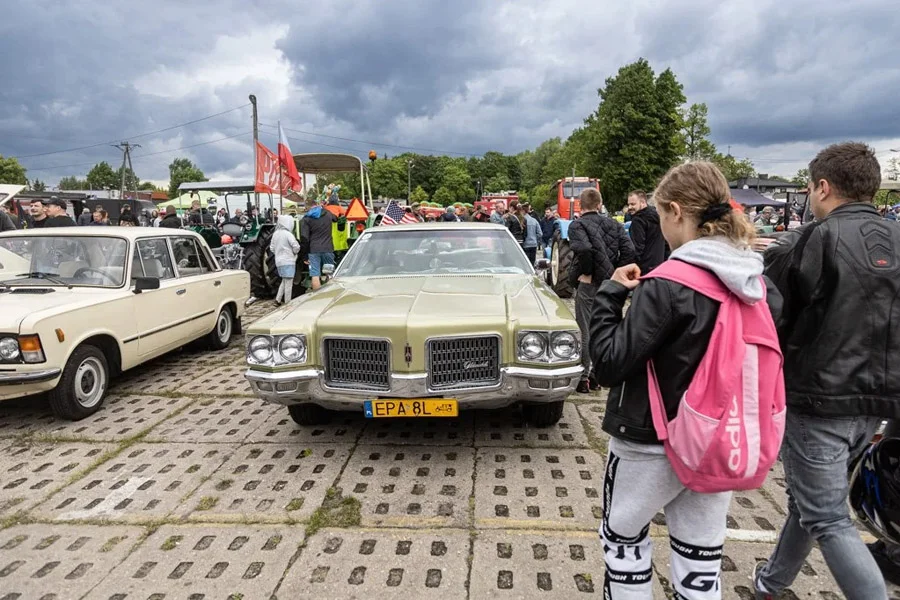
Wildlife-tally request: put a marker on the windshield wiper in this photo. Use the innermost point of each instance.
(51, 277)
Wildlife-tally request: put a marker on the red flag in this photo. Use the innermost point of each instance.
(287, 160)
(266, 170)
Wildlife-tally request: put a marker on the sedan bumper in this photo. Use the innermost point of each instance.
(17, 384)
(517, 384)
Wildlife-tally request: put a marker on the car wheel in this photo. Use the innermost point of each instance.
(220, 336)
(308, 414)
(543, 415)
(83, 384)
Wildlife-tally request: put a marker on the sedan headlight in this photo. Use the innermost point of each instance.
(549, 346)
(260, 350)
(292, 348)
(9, 349)
(564, 345)
(532, 346)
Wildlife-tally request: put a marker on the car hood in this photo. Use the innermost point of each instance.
(24, 302)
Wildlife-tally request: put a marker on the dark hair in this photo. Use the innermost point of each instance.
(639, 193)
(851, 168)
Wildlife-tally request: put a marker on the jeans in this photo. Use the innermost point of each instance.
(584, 305)
(317, 260)
(531, 253)
(817, 453)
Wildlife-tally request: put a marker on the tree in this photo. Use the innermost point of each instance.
(733, 168)
(443, 196)
(131, 180)
(148, 186)
(389, 178)
(418, 195)
(634, 136)
(11, 171)
(456, 181)
(102, 177)
(694, 132)
(38, 186)
(182, 170)
(72, 183)
(498, 183)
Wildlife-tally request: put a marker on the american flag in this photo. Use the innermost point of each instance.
(394, 214)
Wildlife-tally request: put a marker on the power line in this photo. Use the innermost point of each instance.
(88, 147)
(334, 137)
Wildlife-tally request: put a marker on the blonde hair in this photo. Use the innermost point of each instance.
(699, 188)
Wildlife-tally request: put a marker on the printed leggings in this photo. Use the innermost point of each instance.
(639, 482)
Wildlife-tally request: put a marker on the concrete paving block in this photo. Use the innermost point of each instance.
(411, 486)
(538, 488)
(269, 482)
(738, 562)
(593, 412)
(508, 428)
(219, 382)
(194, 562)
(379, 565)
(224, 420)
(154, 378)
(446, 431)
(29, 472)
(121, 417)
(279, 428)
(144, 482)
(60, 561)
(24, 416)
(546, 564)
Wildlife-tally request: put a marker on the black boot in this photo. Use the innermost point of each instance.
(888, 559)
(584, 387)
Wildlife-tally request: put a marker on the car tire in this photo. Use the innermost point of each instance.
(220, 336)
(543, 415)
(308, 414)
(82, 386)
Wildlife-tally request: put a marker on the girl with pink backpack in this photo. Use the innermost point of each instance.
(696, 405)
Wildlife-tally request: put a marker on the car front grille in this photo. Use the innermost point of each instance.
(357, 363)
(463, 362)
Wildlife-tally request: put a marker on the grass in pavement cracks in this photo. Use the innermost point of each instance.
(336, 511)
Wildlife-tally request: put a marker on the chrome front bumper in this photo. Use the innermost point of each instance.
(13, 378)
(517, 384)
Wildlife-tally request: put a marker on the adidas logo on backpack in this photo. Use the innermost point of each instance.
(730, 422)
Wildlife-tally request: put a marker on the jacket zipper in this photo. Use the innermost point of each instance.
(622, 395)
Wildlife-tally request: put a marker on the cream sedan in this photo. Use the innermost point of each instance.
(83, 304)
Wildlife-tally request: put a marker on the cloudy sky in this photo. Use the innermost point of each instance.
(782, 78)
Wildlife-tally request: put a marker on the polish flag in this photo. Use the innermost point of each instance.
(286, 158)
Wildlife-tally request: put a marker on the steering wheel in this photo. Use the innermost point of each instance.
(84, 270)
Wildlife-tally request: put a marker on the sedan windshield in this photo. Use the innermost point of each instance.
(50, 261)
(428, 252)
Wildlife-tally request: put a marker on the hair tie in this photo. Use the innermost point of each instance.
(714, 212)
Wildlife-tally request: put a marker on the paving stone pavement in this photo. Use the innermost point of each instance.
(185, 486)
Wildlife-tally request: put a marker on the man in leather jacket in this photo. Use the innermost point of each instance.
(840, 277)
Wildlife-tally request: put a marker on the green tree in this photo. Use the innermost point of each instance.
(418, 195)
(694, 131)
(72, 183)
(498, 183)
(148, 186)
(733, 168)
(38, 186)
(634, 136)
(182, 170)
(388, 178)
(103, 177)
(131, 180)
(11, 171)
(443, 196)
(456, 181)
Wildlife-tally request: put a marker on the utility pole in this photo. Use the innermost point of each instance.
(409, 164)
(255, 140)
(126, 148)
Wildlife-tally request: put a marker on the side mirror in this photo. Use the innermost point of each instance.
(327, 269)
(542, 263)
(145, 283)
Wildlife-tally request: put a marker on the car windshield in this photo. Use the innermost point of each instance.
(71, 260)
(427, 252)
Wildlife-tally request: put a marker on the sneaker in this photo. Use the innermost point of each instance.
(592, 382)
(756, 572)
(584, 387)
(886, 561)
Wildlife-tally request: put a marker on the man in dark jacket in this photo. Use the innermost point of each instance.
(171, 220)
(547, 224)
(839, 333)
(646, 235)
(601, 246)
(316, 242)
(56, 213)
(126, 216)
(6, 221)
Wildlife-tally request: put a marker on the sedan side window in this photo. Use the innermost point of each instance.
(188, 257)
(151, 259)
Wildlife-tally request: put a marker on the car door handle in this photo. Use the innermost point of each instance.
(181, 291)
(217, 283)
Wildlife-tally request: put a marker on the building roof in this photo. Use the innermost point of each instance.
(763, 182)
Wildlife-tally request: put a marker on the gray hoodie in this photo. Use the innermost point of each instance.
(739, 269)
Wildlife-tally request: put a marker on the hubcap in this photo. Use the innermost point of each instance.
(90, 382)
(554, 262)
(223, 326)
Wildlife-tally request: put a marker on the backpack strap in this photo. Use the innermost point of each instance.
(698, 279)
(657, 404)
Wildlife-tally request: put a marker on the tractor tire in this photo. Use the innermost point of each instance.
(256, 262)
(561, 259)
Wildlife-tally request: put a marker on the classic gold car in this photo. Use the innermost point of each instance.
(82, 304)
(421, 320)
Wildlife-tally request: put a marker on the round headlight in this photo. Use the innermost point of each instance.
(9, 349)
(292, 349)
(532, 346)
(260, 349)
(564, 345)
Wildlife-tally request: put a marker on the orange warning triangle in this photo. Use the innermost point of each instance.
(357, 211)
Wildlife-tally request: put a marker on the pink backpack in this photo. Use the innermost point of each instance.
(730, 422)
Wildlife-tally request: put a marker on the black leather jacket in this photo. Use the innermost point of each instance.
(667, 322)
(840, 333)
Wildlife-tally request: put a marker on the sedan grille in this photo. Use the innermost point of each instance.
(357, 364)
(464, 362)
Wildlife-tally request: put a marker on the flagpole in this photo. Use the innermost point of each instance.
(280, 175)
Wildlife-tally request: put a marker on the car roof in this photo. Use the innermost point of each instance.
(437, 225)
(128, 233)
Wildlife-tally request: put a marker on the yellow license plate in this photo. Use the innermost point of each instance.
(430, 407)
